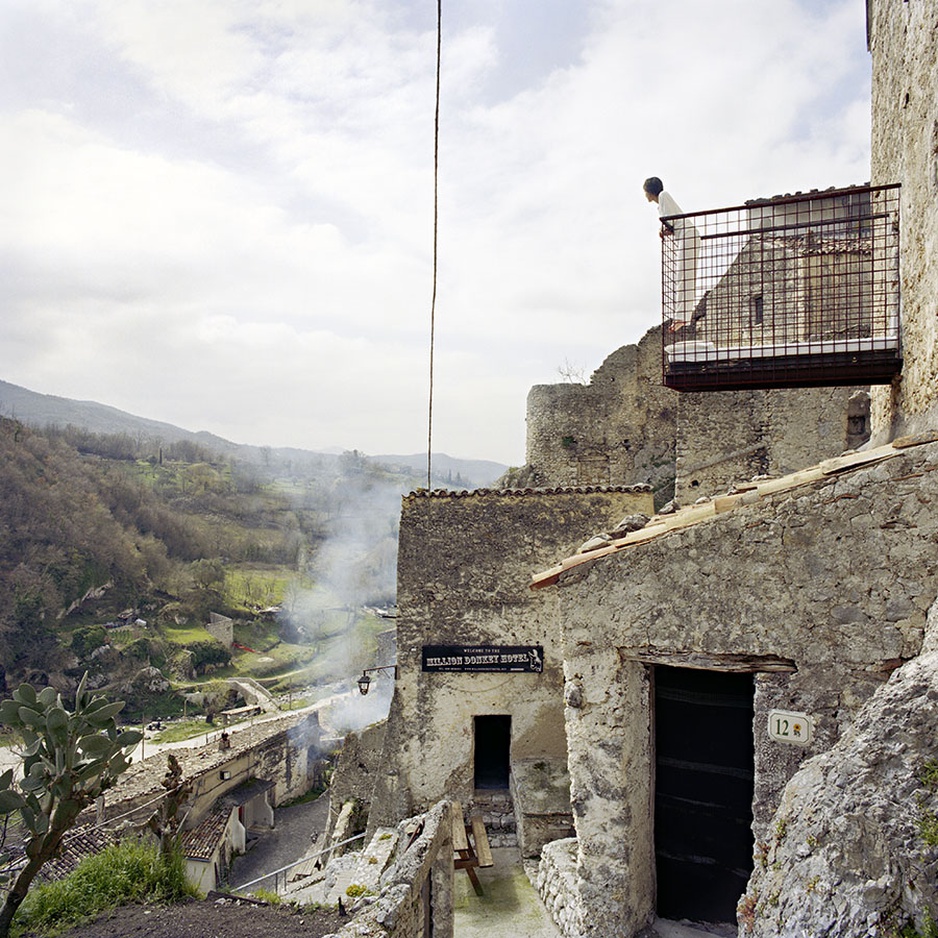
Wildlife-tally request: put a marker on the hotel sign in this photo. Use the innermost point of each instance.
(527, 659)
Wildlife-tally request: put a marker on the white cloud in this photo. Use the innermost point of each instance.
(231, 201)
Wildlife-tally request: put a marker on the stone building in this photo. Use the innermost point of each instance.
(625, 427)
(712, 683)
(691, 709)
(477, 712)
(684, 645)
(803, 270)
(904, 48)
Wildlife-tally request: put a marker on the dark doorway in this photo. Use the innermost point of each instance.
(492, 751)
(703, 792)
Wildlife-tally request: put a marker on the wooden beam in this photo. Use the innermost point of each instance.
(481, 840)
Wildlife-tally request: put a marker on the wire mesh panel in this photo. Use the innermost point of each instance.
(800, 291)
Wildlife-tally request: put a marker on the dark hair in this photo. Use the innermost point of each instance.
(653, 185)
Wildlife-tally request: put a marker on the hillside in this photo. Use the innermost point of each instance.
(47, 410)
(113, 558)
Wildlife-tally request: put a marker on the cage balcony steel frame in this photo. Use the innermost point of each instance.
(796, 291)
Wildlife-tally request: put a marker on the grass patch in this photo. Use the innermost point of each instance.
(259, 634)
(132, 871)
(186, 634)
(274, 661)
(313, 794)
(928, 819)
(268, 896)
(929, 928)
(256, 587)
(184, 729)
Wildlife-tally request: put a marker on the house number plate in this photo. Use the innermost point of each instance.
(788, 727)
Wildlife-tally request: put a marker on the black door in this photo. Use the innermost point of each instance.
(703, 792)
(492, 751)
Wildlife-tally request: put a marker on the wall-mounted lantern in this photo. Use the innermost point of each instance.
(364, 682)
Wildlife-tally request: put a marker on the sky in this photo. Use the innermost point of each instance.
(219, 213)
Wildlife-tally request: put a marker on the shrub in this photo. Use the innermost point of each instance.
(131, 871)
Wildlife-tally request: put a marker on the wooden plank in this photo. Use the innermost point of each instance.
(853, 460)
(481, 839)
(460, 842)
(904, 442)
(723, 503)
(783, 484)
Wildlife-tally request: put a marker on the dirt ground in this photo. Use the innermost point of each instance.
(209, 919)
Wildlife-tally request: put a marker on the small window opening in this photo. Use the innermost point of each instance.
(756, 306)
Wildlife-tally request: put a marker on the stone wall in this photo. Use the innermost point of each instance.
(221, 628)
(464, 569)
(617, 430)
(358, 767)
(416, 891)
(557, 885)
(904, 46)
(625, 427)
(732, 436)
(834, 577)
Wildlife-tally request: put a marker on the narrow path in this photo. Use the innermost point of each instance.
(510, 904)
(290, 840)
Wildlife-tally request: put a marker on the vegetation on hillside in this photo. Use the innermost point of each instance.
(114, 551)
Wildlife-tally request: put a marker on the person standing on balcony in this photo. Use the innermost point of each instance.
(684, 277)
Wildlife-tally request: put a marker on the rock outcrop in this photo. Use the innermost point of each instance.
(850, 852)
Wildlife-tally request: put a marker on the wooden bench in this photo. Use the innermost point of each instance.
(470, 846)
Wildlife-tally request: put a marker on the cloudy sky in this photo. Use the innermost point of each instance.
(218, 213)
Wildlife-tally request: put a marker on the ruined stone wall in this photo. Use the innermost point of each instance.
(220, 628)
(625, 427)
(464, 568)
(358, 767)
(731, 436)
(416, 892)
(834, 577)
(904, 47)
(617, 430)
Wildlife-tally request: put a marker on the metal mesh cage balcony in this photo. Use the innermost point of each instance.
(800, 291)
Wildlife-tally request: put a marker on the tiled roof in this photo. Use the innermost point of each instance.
(559, 490)
(246, 792)
(77, 846)
(832, 191)
(202, 841)
(144, 779)
(745, 494)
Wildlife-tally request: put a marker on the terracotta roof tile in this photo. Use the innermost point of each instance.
(640, 488)
(201, 842)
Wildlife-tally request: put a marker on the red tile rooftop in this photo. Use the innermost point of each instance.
(639, 488)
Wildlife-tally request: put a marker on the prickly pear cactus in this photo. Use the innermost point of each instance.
(69, 758)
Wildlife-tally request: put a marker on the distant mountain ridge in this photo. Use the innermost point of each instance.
(481, 472)
(43, 410)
